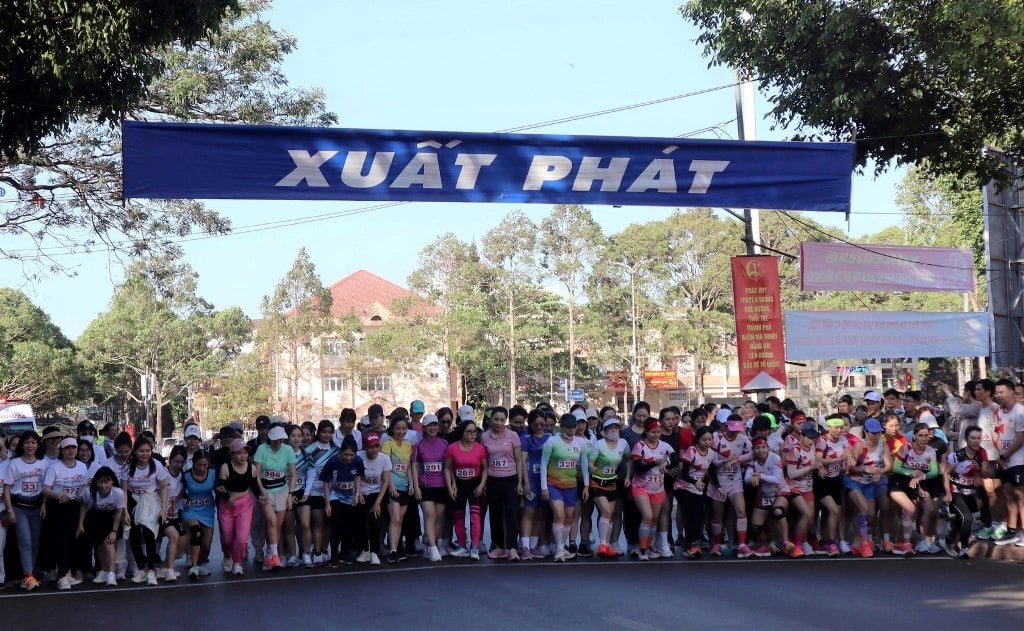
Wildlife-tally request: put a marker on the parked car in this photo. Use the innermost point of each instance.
(168, 444)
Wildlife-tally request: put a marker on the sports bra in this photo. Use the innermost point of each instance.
(238, 482)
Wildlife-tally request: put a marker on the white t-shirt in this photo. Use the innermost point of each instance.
(67, 480)
(1010, 424)
(356, 434)
(374, 474)
(144, 481)
(174, 485)
(987, 423)
(113, 501)
(25, 479)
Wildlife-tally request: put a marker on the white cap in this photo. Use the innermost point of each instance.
(193, 430)
(466, 413)
(277, 433)
(592, 413)
(929, 420)
(580, 415)
(428, 419)
(611, 420)
(723, 415)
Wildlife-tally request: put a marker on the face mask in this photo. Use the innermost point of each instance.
(611, 434)
(89, 438)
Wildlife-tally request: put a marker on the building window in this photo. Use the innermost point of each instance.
(793, 383)
(842, 381)
(888, 380)
(435, 375)
(334, 383)
(335, 348)
(375, 383)
(870, 381)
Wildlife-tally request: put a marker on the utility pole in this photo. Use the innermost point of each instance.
(634, 373)
(747, 128)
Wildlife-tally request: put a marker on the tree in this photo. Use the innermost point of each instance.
(159, 328)
(915, 82)
(63, 60)
(296, 322)
(37, 362)
(569, 241)
(242, 391)
(510, 249)
(67, 181)
(451, 276)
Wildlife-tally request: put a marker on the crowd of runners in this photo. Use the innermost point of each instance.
(761, 479)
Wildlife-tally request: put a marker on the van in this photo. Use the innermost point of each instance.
(16, 417)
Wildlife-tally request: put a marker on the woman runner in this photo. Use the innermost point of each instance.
(764, 473)
(504, 484)
(144, 482)
(375, 486)
(198, 514)
(465, 472)
(341, 478)
(651, 457)
(237, 481)
(399, 450)
(275, 466)
(964, 468)
(318, 454)
(63, 485)
(173, 528)
(99, 524)
(534, 522)
(867, 483)
(561, 458)
(606, 456)
(23, 495)
(914, 463)
(429, 487)
(690, 486)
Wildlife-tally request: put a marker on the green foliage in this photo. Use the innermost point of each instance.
(68, 186)
(296, 323)
(241, 391)
(912, 82)
(37, 362)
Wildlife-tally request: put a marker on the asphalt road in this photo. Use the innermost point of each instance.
(816, 593)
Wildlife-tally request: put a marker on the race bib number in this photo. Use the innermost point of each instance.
(29, 487)
(198, 503)
(729, 469)
(465, 473)
(566, 464)
(300, 482)
(834, 469)
(401, 468)
(272, 475)
(372, 481)
(345, 486)
(607, 470)
(765, 501)
(535, 468)
(431, 467)
(71, 492)
(499, 463)
(655, 479)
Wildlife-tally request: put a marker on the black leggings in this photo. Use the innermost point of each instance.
(138, 535)
(503, 504)
(348, 529)
(693, 505)
(374, 525)
(63, 520)
(961, 513)
(630, 518)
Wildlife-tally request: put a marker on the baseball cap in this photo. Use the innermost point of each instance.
(810, 429)
(466, 413)
(734, 426)
(51, 432)
(238, 426)
(375, 410)
(568, 420)
(193, 431)
(929, 420)
(227, 433)
(262, 422)
(611, 420)
(417, 407)
(277, 433)
(592, 413)
(429, 419)
(580, 415)
(723, 415)
(68, 442)
(873, 396)
(873, 426)
(237, 445)
(370, 440)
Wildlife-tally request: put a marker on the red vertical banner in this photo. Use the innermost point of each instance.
(759, 329)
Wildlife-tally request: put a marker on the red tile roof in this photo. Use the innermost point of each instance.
(367, 295)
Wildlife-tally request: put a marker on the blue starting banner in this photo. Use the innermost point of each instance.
(203, 161)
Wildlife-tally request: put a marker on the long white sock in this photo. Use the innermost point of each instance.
(663, 538)
(559, 532)
(604, 529)
(534, 541)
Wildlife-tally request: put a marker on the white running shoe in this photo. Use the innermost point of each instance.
(921, 547)
(72, 581)
(151, 578)
(226, 565)
(139, 577)
(374, 559)
(932, 548)
(307, 560)
(63, 584)
(844, 547)
(364, 557)
(808, 550)
(433, 554)
(474, 554)
(665, 550)
(237, 570)
(459, 552)
(161, 572)
(170, 576)
(101, 577)
(203, 570)
(111, 579)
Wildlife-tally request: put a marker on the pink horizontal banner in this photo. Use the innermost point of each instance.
(844, 267)
(860, 335)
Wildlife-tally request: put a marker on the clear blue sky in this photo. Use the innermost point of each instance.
(447, 65)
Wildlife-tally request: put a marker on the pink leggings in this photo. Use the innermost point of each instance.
(464, 495)
(235, 520)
